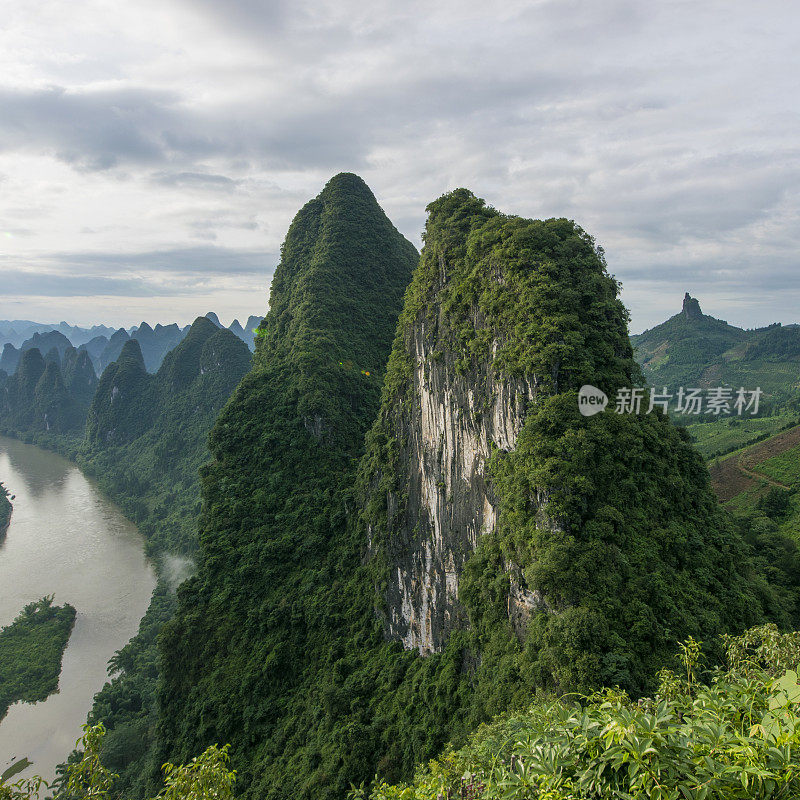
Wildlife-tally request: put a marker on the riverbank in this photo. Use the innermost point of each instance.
(66, 539)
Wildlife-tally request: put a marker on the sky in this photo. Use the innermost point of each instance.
(153, 154)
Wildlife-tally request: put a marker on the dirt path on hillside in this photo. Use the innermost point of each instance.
(736, 474)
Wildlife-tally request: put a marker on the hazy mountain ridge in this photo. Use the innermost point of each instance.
(103, 344)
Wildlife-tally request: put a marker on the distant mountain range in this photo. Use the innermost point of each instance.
(102, 344)
(693, 349)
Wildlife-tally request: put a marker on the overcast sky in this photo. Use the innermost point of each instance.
(152, 154)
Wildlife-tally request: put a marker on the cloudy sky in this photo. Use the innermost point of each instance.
(152, 154)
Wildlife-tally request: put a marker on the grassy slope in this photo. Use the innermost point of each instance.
(743, 479)
(31, 649)
(730, 433)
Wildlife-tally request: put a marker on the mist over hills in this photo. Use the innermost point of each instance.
(103, 344)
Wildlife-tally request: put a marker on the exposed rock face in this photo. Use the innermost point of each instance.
(502, 313)
(691, 307)
(450, 429)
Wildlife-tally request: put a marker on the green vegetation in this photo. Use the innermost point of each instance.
(726, 434)
(277, 647)
(629, 549)
(31, 649)
(145, 442)
(146, 435)
(205, 777)
(695, 349)
(783, 468)
(5, 510)
(35, 400)
(779, 504)
(721, 733)
(254, 656)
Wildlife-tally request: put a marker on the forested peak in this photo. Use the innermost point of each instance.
(121, 408)
(53, 356)
(95, 343)
(342, 264)
(9, 358)
(214, 318)
(143, 328)
(347, 184)
(532, 296)
(225, 354)
(202, 327)
(183, 363)
(47, 340)
(83, 362)
(119, 335)
(51, 379)
(275, 495)
(31, 364)
(30, 370)
(131, 356)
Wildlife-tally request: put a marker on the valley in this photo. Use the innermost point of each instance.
(67, 540)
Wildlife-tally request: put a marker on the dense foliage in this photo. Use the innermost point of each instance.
(723, 733)
(35, 399)
(31, 648)
(629, 548)
(277, 647)
(146, 434)
(145, 442)
(5, 510)
(247, 656)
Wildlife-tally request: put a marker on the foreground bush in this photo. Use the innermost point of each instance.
(732, 733)
(206, 777)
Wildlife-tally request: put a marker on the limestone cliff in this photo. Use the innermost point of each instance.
(450, 429)
(506, 318)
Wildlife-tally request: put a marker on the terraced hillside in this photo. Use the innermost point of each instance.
(763, 477)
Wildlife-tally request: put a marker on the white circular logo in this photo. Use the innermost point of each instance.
(591, 400)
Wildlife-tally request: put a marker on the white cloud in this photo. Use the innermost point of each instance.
(666, 129)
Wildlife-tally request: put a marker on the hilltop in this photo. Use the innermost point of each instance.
(694, 349)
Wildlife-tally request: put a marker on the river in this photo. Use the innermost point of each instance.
(66, 539)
